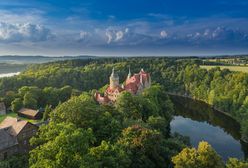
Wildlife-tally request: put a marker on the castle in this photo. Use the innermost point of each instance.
(134, 84)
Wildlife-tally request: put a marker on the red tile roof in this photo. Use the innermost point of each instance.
(119, 89)
(131, 87)
(133, 83)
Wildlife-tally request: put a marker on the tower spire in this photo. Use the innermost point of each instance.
(129, 73)
(114, 79)
(113, 72)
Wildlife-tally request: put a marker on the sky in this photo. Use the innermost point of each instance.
(123, 28)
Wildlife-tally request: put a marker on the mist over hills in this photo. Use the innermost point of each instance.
(19, 59)
(15, 59)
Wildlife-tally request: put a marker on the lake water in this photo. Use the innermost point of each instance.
(202, 123)
(9, 74)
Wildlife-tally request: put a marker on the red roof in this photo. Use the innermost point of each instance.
(133, 83)
(109, 90)
(131, 87)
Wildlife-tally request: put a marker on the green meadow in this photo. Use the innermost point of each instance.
(231, 68)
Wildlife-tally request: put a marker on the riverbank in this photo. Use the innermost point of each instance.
(245, 140)
(199, 121)
(214, 108)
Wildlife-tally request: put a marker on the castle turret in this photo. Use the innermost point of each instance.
(114, 80)
(129, 74)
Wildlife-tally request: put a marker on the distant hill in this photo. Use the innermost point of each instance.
(15, 59)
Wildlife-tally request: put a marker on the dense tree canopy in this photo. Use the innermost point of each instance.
(57, 86)
(204, 157)
(116, 139)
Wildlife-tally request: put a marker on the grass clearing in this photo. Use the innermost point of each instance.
(231, 68)
(12, 114)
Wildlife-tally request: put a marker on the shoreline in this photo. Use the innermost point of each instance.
(214, 108)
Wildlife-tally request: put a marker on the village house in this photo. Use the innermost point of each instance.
(30, 113)
(134, 84)
(2, 108)
(14, 136)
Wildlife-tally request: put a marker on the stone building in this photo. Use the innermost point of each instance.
(134, 84)
(2, 108)
(14, 136)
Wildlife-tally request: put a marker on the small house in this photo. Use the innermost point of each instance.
(14, 136)
(30, 113)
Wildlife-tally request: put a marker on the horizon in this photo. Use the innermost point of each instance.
(131, 28)
(129, 56)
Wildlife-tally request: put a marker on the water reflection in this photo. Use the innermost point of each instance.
(200, 122)
(9, 74)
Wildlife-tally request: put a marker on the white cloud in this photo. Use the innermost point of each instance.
(126, 30)
(206, 32)
(163, 34)
(115, 34)
(219, 34)
(109, 36)
(31, 16)
(84, 35)
(23, 32)
(119, 35)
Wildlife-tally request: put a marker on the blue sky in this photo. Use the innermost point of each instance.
(128, 27)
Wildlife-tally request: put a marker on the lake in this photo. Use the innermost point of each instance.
(199, 121)
(9, 74)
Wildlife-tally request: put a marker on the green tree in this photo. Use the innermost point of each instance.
(17, 161)
(48, 110)
(9, 97)
(29, 101)
(65, 93)
(16, 105)
(68, 149)
(235, 163)
(202, 157)
(159, 124)
(107, 155)
(129, 105)
(143, 146)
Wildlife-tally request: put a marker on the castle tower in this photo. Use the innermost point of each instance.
(129, 74)
(114, 80)
(141, 77)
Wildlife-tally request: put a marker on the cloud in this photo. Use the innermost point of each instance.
(163, 34)
(84, 35)
(119, 35)
(116, 37)
(109, 36)
(23, 32)
(115, 34)
(22, 16)
(219, 35)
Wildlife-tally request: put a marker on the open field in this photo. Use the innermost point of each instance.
(231, 68)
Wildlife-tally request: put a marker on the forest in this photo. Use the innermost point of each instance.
(135, 131)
